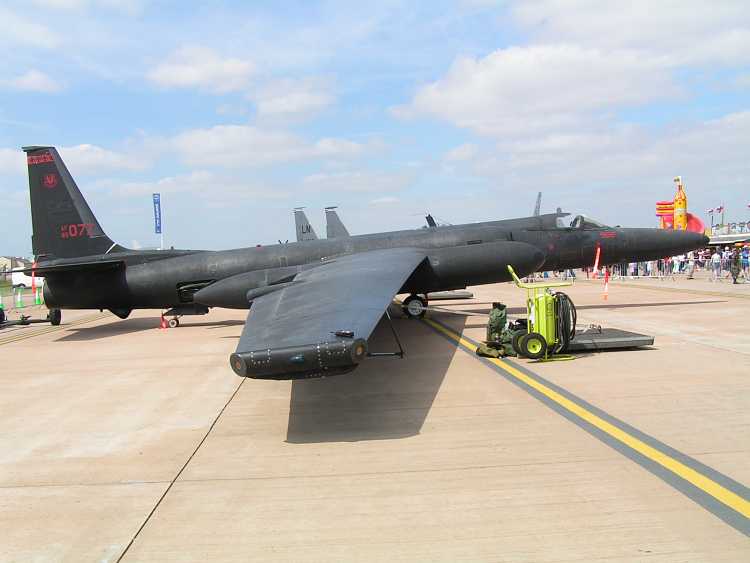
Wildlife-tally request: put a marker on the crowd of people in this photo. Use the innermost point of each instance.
(722, 263)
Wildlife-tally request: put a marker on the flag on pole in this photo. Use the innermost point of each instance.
(720, 209)
(711, 211)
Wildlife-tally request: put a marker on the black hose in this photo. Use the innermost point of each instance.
(567, 316)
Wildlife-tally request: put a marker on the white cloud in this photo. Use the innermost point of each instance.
(246, 146)
(200, 67)
(12, 162)
(467, 151)
(293, 99)
(80, 160)
(684, 30)
(18, 30)
(538, 88)
(91, 159)
(34, 81)
(62, 4)
(742, 81)
(205, 184)
(356, 181)
(387, 200)
(122, 6)
(711, 156)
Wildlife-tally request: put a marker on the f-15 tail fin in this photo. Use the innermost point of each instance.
(63, 223)
(334, 227)
(303, 227)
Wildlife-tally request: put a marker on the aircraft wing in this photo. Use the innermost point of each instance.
(319, 323)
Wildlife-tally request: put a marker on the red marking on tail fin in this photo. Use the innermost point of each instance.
(39, 158)
(49, 181)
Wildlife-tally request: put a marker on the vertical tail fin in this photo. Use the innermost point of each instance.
(334, 227)
(63, 223)
(303, 227)
(538, 206)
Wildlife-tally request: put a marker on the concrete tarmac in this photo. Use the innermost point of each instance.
(121, 440)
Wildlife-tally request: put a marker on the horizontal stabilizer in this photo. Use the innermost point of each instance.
(98, 265)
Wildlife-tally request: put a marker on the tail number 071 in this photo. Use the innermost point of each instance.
(76, 230)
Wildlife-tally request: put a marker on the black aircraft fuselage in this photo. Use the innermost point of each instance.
(459, 256)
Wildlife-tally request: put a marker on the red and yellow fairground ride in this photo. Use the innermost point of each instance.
(674, 214)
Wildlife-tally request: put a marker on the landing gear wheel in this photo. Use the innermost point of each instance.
(415, 306)
(55, 317)
(532, 346)
(174, 323)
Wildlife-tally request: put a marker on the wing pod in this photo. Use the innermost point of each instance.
(300, 362)
(236, 292)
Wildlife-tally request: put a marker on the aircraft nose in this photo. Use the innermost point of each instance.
(651, 244)
(686, 241)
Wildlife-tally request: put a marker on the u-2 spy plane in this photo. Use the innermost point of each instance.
(314, 303)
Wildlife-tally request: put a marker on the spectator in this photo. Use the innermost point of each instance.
(677, 263)
(746, 261)
(734, 265)
(691, 265)
(715, 265)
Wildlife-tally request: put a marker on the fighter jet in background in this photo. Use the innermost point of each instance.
(313, 304)
(538, 206)
(334, 227)
(305, 231)
(302, 226)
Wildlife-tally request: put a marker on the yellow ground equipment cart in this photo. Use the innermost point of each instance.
(551, 320)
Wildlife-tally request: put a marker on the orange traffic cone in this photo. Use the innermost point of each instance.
(163, 323)
(606, 283)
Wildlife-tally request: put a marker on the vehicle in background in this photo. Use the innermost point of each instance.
(19, 279)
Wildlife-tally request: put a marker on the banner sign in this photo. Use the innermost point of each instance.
(157, 214)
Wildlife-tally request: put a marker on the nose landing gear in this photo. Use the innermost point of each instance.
(415, 306)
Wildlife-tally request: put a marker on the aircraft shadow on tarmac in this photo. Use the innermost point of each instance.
(118, 327)
(384, 398)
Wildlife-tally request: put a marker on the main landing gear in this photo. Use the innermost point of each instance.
(54, 317)
(415, 306)
(174, 322)
(177, 312)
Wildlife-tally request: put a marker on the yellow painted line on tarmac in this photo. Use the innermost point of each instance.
(702, 482)
(23, 334)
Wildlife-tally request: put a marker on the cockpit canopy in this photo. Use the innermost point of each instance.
(586, 223)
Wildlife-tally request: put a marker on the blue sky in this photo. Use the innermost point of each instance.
(239, 111)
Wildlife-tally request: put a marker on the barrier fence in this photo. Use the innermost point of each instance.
(670, 268)
(676, 267)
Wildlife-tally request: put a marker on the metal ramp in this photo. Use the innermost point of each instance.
(597, 339)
